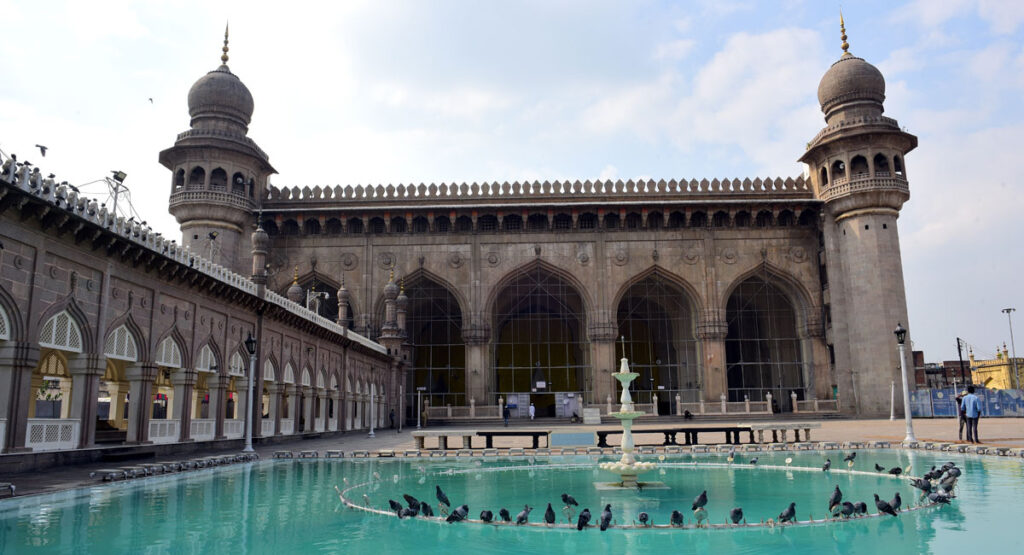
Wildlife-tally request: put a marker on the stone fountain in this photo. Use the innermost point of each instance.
(628, 468)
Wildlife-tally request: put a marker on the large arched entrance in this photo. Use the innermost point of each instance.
(656, 318)
(762, 348)
(539, 344)
(438, 365)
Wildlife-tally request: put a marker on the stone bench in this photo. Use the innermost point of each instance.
(420, 437)
(489, 436)
(335, 454)
(284, 455)
(309, 454)
(781, 429)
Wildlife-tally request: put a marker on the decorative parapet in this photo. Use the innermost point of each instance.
(843, 125)
(842, 187)
(71, 204)
(222, 135)
(560, 191)
(231, 200)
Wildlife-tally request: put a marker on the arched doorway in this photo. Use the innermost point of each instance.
(656, 318)
(762, 348)
(539, 344)
(438, 365)
(51, 425)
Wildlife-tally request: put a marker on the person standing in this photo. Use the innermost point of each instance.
(960, 414)
(391, 417)
(972, 411)
(533, 411)
(505, 413)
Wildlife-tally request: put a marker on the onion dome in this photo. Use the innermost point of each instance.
(260, 239)
(220, 95)
(343, 294)
(391, 289)
(295, 292)
(402, 300)
(850, 81)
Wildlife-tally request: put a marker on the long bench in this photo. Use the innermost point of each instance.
(535, 434)
(782, 428)
(442, 436)
(690, 434)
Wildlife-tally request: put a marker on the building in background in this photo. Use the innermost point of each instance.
(996, 373)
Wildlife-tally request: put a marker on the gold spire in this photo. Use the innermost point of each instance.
(842, 30)
(295, 280)
(401, 285)
(391, 276)
(224, 56)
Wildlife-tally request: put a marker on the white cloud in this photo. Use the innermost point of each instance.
(674, 50)
(609, 172)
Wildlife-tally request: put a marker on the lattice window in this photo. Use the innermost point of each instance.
(168, 354)
(305, 377)
(121, 345)
(434, 323)
(320, 379)
(53, 365)
(206, 362)
(61, 332)
(5, 324)
(289, 374)
(236, 367)
(269, 375)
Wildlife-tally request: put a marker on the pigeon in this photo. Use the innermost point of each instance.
(849, 458)
(676, 518)
(936, 497)
(732, 455)
(753, 460)
(860, 508)
(828, 464)
(924, 485)
(408, 512)
(412, 501)
(549, 515)
(736, 515)
(396, 506)
(486, 516)
(524, 515)
(835, 499)
(443, 498)
(643, 518)
(846, 509)
(700, 500)
(504, 514)
(879, 468)
(606, 517)
(458, 514)
(42, 150)
(583, 520)
(884, 507)
(700, 515)
(425, 509)
(896, 502)
(569, 500)
(895, 471)
(954, 472)
(789, 514)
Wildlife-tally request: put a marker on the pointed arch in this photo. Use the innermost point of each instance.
(561, 273)
(305, 381)
(269, 370)
(61, 332)
(15, 327)
(121, 345)
(207, 359)
(794, 289)
(289, 374)
(128, 322)
(320, 379)
(169, 351)
(5, 324)
(236, 365)
(334, 382)
(86, 339)
(691, 293)
(414, 278)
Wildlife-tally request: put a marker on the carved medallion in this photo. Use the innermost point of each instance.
(456, 259)
(729, 255)
(797, 254)
(621, 257)
(493, 259)
(386, 260)
(692, 256)
(349, 261)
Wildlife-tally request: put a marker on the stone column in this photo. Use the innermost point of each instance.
(183, 380)
(322, 395)
(119, 396)
(17, 360)
(217, 386)
(602, 362)
(712, 331)
(336, 397)
(274, 389)
(140, 400)
(478, 374)
(307, 408)
(85, 370)
(292, 392)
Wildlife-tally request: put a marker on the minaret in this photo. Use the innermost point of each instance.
(218, 174)
(857, 168)
(390, 334)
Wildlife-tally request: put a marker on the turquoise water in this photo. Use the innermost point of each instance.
(292, 507)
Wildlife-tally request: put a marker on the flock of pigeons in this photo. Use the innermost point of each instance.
(936, 486)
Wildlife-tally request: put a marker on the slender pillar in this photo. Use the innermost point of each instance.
(713, 380)
(274, 390)
(217, 385)
(322, 395)
(85, 370)
(184, 382)
(17, 360)
(140, 400)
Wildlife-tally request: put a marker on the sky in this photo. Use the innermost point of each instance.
(377, 92)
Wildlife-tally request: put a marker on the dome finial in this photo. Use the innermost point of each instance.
(842, 30)
(224, 56)
(295, 279)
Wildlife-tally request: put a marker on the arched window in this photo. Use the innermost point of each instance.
(269, 372)
(377, 225)
(765, 218)
(207, 361)
(838, 170)
(588, 220)
(655, 220)
(808, 217)
(611, 221)
(897, 165)
(633, 221)
(179, 178)
(743, 219)
(305, 378)
(333, 226)
(434, 324)
(121, 345)
(859, 167)
(881, 165)
(218, 180)
(464, 223)
(289, 374)
(699, 219)
(676, 220)
(398, 225)
(786, 218)
(562, 222)
(512, 222)
(311, 227)
(5, 325)
(168, 353)
(238, 184)
(824, 177)
(355, 226)
(442, 224)
(61, 332)
(720, 219)
(419, 225)
(289, 227)
(197, 178)
(537, 222)
(236, 366)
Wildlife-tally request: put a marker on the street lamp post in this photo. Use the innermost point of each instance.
(250, 346)
(373, 415)
(1009, 320)
(901, 337)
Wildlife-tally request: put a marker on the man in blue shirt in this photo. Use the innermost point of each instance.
(972, 411)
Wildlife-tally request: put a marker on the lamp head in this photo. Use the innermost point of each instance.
(900, 333)
(250, 344)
